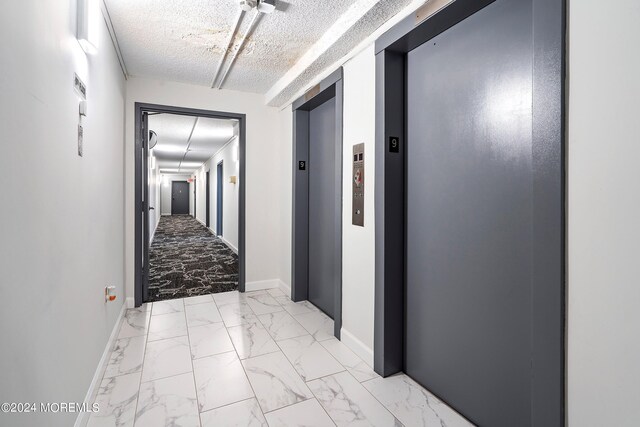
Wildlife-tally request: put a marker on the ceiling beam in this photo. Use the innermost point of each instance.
(348, 19)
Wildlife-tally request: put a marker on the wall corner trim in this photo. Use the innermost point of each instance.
(83, 417)
(358, 347)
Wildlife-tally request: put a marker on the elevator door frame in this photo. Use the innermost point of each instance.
(548, 279)
(329, 88)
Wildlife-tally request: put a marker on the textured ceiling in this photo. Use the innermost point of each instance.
(185, 142)
(183, 40)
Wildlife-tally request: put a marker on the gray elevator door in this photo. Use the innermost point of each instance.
(469, 215)
(322, 194)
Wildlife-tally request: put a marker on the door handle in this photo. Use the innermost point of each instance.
(151, 208)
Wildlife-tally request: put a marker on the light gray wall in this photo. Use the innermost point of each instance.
(61, 222)
(604, 214)
(154, 198)
(230, 192)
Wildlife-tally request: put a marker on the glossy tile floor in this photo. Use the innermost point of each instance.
(253, 359)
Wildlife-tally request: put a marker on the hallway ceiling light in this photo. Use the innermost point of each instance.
(170, 149)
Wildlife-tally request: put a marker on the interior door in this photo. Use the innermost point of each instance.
(219, 204)
(322, 226)
(469, 215)
(179, 198)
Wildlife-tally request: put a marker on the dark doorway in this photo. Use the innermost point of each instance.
(322, 170)
(208, 200)
(470, 208)
(179, 198)
(219, 203)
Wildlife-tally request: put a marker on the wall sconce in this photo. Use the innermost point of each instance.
(233, 179)
(83, 26)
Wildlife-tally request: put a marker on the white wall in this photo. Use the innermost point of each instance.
(230, 192)
(154, 198)
(165, 191)
(263, 186)
(604, 214)
(358, 243)
(61, 225)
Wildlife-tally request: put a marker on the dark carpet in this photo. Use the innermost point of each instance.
(186, 260)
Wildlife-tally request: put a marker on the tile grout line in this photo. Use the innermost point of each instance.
(144, 358)
(193, 369)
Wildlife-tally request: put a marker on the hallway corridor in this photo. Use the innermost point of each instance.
(187, 260)
(252, 359)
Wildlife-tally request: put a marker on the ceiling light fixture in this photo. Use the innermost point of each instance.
(266, 6)
(247, 5)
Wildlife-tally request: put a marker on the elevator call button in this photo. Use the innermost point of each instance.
(357, 196)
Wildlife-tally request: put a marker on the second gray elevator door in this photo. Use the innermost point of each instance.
(322, 203)
(469, 215)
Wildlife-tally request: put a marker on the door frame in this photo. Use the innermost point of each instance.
(141, 193)
(329, 88)
(548, 300)
(195, 186)
(172, 204)
(207, 197)
(219, 197)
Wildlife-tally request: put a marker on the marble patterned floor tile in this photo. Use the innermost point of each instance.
(263, 303)
(201, 314)
(275, 382)
(166, 307)
(348, 403)
(276, 292)
(209, 339)
(199, 299)
(168, 402)
(281, 325)
(220, 380)
(309, 358)
(412, 404)
(308, 414)
(232, 297)
(135, 323)
(241, 414)
(237, 313)
(165, 358)
(358, 368)
(317, 324)
(252, 339)
(167, 326)
(126, 357)
(117, 399)
(294, 308)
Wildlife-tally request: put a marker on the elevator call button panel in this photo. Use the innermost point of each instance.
(357, 199)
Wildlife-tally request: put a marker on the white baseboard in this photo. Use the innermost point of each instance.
(226, 242)
(83, 417)
(262, 284)
(285, 288)
(357, 346)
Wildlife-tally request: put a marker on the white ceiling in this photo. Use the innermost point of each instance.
(184, 40)
(185, 142)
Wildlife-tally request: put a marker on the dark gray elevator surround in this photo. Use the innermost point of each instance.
(313, 252)
(141, 250)
(531, 343)
(179, 198)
